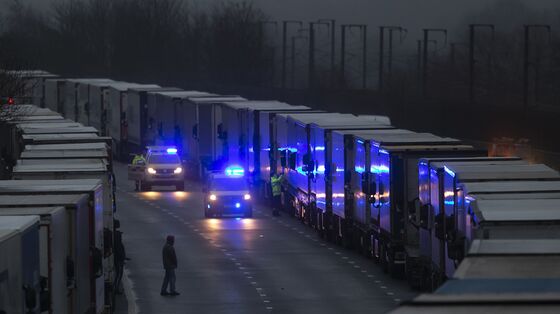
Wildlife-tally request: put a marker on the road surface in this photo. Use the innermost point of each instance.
(259, 265)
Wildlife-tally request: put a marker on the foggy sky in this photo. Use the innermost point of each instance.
(412, 14)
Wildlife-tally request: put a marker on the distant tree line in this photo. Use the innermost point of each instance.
(164, 41)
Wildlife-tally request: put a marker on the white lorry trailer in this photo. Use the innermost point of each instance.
(19, 265)
(54, 246)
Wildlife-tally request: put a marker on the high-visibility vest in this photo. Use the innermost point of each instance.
(276, 182)
(137, 159)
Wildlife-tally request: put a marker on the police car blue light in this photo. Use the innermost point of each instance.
(235, 171)
(237, 205)
(172, 150)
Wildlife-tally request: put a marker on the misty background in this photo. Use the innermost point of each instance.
(235, 47)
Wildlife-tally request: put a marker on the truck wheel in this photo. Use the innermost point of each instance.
(180, 186)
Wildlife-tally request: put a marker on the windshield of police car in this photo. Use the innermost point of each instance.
(164, 159)
(228, 184)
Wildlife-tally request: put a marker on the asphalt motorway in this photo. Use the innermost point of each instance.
(260, 265)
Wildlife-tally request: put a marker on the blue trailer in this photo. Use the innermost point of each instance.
(305, 158)
(389, 227)
(255, 124)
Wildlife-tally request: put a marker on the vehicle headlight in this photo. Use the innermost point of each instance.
(178, 170)
(151, 171)
(213, 197)
(247, 197)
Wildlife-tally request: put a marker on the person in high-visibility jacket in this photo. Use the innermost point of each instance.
(276, 184)
(138, 160)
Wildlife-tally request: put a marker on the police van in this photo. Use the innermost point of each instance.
(163, 167)
(227, 194)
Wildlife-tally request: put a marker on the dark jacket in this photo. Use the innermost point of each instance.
(120, 253)
(169, 257)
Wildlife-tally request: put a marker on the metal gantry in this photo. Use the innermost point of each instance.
(427, 32)
(382, 29)
(332, 29)
(284, 48)
(472, 60)
(311, 62)
(363, 30)
(526, 62)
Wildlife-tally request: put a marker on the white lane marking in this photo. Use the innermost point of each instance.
(131, 297)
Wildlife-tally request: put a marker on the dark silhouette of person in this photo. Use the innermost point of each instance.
(169, 264)
(119, 258)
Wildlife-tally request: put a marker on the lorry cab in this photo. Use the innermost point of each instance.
(162, 167)
(227, 194)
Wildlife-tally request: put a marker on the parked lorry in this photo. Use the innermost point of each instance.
(19, 265)
(78, 146)
(76, 93)
(265, 146)
(208, 145)
(117, 125)
(16, 142)
(55, 94)
(303, 155)
(34, 87)
(248, 125)
(85, 275)
(391, 190)
(440, 216)
(499, 276)
(140, 131)
(511, 258)
(88, 112)
(98, 104)
(54, 247)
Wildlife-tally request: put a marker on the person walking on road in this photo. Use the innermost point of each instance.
(119, 258)
(276, 184)
(169, 264)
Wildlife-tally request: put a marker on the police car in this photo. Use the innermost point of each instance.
(227, 194)
(163, 167)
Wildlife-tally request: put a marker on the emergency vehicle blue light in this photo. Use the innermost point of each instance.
(321, 169)
(360, 141)
(208, 205)
(172, 150)
(237, 205)
(360, 169)
(319, 148)
(235, 171)
(382, 151)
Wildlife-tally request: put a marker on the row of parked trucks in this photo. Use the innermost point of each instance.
(57, 210)
(431, 209)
